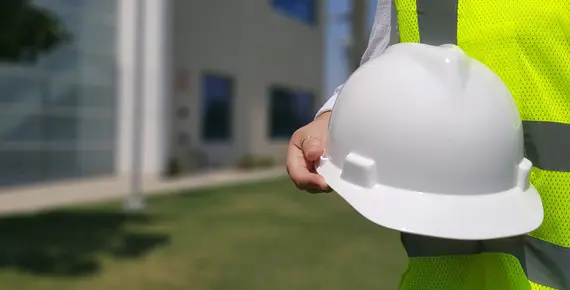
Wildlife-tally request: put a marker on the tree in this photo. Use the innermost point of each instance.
(26, 31)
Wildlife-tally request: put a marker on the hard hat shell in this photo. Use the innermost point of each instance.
(427, 140)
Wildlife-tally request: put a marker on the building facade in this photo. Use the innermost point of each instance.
(58, 112)
(210, 81)
(248, 73)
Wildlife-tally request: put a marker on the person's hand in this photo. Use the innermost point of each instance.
(305, 148)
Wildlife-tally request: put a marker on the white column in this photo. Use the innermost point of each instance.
(126, 84)
(156, 85)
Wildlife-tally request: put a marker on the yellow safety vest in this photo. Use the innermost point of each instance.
(527, 43)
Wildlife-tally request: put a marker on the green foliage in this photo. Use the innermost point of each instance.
(174, 168)
(250, 161)
(26, 31)
(192, 161)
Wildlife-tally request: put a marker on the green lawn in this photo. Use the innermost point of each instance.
(264, 236)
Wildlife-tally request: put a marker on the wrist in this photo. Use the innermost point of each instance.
(323, 116)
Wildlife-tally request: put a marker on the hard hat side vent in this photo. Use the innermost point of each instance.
(523, 176)
(359, 170)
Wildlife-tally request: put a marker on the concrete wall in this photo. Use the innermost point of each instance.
(255, 45)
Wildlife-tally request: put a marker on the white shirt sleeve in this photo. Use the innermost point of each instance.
(380, 37)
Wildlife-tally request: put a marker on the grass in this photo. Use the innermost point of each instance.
(259, 236)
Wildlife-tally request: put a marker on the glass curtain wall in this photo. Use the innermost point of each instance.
(58, 93)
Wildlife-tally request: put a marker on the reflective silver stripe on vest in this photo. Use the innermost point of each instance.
(547, 145)
(547, 264)
(421, 246)
(544, 263)
(439, 27)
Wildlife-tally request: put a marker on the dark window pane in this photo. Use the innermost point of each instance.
(20, 167)
(302, 10)
(71, 95)
(289, 110)
(61, 128)
(65, 58)
(216, 108)
(96, 162)
(97, 96)
(20, 89)
(61, 165)
(96, 128)
(21, 126)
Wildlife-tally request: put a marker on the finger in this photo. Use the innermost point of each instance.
(312, 148)
(302, 171)
(303, 177)
(315, 191)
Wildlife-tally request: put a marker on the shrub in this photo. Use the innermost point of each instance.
(250, 161)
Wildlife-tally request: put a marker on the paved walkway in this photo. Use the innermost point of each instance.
(46, 196)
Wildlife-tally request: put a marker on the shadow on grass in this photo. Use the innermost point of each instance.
(73, 243)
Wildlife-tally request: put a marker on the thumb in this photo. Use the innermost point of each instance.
(312, 148)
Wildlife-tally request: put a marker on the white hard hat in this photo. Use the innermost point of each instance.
(426, 140)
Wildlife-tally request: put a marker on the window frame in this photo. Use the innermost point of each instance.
(291, 89)
(314, 19)
(204, 138)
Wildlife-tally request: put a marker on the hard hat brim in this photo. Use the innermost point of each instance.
(490, 216)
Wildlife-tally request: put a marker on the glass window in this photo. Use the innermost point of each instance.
(96, 161)
(70, 94)
(60, 128)
(289, 110)
(20, 166)
(57, 109)
(302, 10)
(217, 92)
(21, 126)
(96, 128)
(20, 89)
(61, 164)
